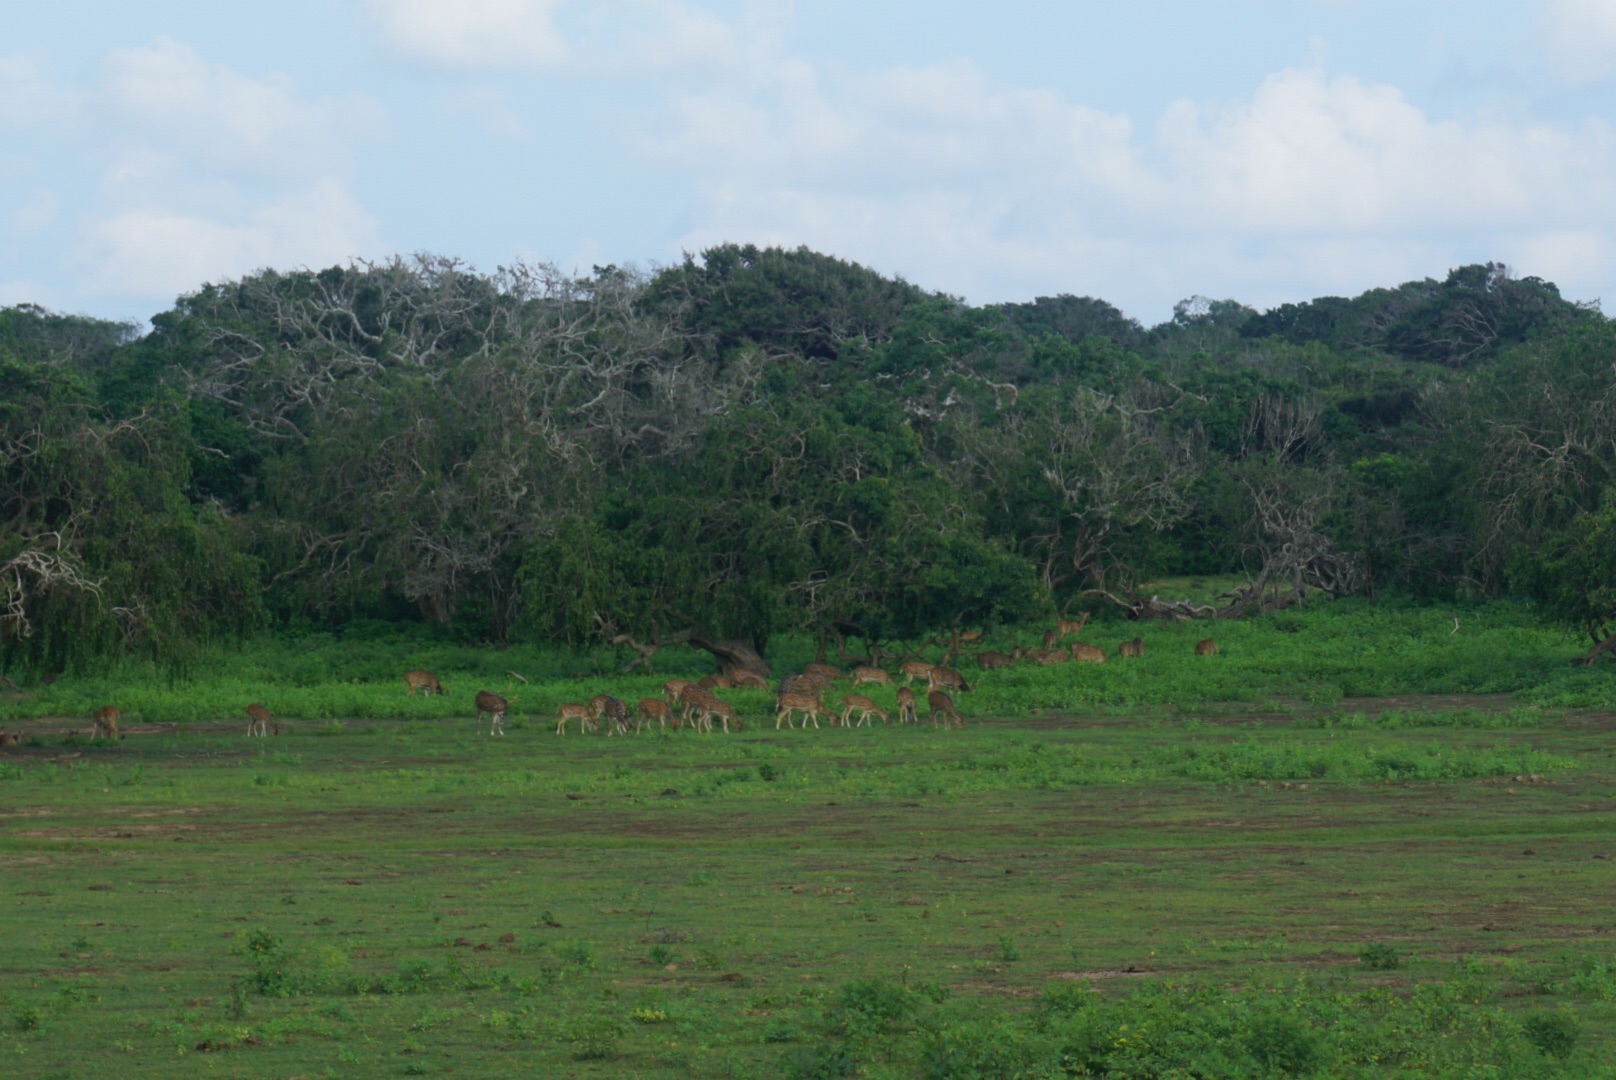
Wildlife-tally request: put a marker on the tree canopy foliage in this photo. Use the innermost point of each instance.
(758, 440)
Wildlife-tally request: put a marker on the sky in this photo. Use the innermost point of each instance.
(1260, 150)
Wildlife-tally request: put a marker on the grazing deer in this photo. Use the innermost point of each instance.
(580, 713)
(915, 669)
(830, 672)
(495, 707)
(987, 661)
(716, 682)
(424, 681)
(1047, 657)
(1136, 647)
(671, 689)
(613, 709)
(259, 721)
(725, 713)
(690, 700)
(943, 705)
(906, 706)
(788, 703)
(747, 680)
(1087, 654)
(873, 675)
(652, 709)
(942, 676)
(1051, 639)
(806, 683)
(852, 703)
(106, 723)
(1207, 647)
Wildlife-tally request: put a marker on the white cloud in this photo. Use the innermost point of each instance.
(471, 33)
(1580, 37)
(28, 97)
(38, 212)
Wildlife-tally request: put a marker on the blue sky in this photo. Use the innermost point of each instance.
(1263, 151)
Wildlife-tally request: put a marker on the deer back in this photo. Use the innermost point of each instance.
(871, 675)
(828, 671)
(1207, 647)
(751, 680)
(488, 702)
(422, 680)
(1087, 654)
(987, 661)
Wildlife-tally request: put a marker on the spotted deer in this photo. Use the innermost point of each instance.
(614, 711)
(10, 738)
(672, 687)
(1208, 647)
(424, 681)
(915, 669)
(580, 713)
(862, 705)
(1047, 657)
(1072, 627)
(652, 710)
(788, 703)
(494, 706)
(716, 682)
(906, 706)
(106, 723)
(743, 679)
(1051, 639)
(942, 706)
(259, 721)
(830, 672)
(1136, 647)
(942, 676)
(725, 713)
(1087, 654)
(874, 675)
(987, 661)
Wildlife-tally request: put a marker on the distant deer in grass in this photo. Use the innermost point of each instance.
(1206, 647)
(906, 706)
(1051, 639)
(942, 706)
(1072, 627)
(580, 713)
(716, 682)
(424, 681)
(10, 738)
(1047, 657)
(612, 709)
(106, 723)
(259, 721)
(915, 669)
(788, 703)
(830, 672)
(672, 688)
(652, 710)
(1136, 647)
(725, 713)
(747, 680)
(942, 676)
(495, 706)
(858, 703)
(987, 661)
(873, 675)
(1087, 654)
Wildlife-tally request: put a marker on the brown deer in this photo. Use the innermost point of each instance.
(259, 721)
(716, 682)
(915, 669)
(672, 688)
(1047, 657)
(942, 676)
(10, 738)
(1207, 647)
(1072, 627)
(830, 672)
(651, 710)
(725, 713)
(966, 637)
(1087, 654)
(580, 713)
(807, 682)
(987, 661)
(862, 705)
(906, 706)
(495, 707)
(943, 705)
(106, 723)
(873, 675)
(1136, 647)
(1051, 639)
(691, 700)
(424, 681)
(788, 703)
(743, 679)
(613, 709)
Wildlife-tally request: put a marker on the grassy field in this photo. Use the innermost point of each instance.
(1353, 844)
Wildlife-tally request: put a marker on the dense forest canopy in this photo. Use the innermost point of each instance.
(755, 441)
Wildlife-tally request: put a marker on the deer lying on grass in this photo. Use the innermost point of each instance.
(987, 661)
(741, 679)
(942, 676)
(874, 675)
(1136, 647)
(862, 705)
(943, 706)
(424, 681)
(1047, 657)
(613, 709)
(580, 713)
(494, 706)
(716, 682)
(1208, 647)
(788, 703)
(259, 721)
(652, 710)
(10, 738)
(830, 672)
(906, 706)
(1087, 654)
(106, 723)
(914, 669)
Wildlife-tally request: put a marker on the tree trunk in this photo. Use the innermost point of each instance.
(1606, 646)
(733, 654)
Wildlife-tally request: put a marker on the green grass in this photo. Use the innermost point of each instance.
(1306, 884)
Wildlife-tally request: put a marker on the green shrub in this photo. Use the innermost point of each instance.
(1380, 956)
(1554, 1033)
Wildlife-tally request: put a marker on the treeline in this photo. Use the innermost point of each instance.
(760, 440)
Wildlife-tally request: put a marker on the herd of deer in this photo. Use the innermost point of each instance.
(698, 706)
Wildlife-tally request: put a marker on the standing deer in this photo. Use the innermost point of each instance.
(106, 723)
(725, 713)
(943, 705)
(1087, 654)
(652, 709)
(788, 703)
(1207, 647)
(906, 706)
(875, 675)
(259, 721)
(1136, 647)
(672, 688)
(580, 713)
(1072, 627)
(915, 669)
(942, 676)
(1051, 639)
(424, 681)
(613, 709)
(862, 705)
(494, 706)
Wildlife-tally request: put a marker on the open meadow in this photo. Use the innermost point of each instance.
(1356, 842)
